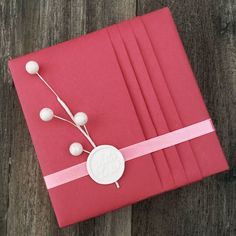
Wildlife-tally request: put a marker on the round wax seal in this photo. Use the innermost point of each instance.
(105, 164)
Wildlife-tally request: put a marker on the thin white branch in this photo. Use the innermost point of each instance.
(47, 84)
(86, 130)
(86, 151)
(60, 118)
(66, 108)
(117, 184)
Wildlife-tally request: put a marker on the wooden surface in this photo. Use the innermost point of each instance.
(208, 31)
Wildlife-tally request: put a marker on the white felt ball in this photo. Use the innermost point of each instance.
(76, 149)
(46, 114)
(81, 118)
(32, 67)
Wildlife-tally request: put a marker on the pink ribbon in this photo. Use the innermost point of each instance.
(134, 151)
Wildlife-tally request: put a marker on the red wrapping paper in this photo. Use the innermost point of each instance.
(134, 81)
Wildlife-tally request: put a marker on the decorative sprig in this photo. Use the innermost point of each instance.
(79, 120)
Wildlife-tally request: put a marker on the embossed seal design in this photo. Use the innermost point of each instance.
(105, 164)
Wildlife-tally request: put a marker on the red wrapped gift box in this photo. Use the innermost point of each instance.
(134, 81)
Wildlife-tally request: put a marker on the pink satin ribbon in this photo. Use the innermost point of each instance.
(137, 150)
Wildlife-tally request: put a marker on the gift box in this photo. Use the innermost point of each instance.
(146, 117)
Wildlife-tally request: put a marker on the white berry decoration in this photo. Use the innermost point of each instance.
(32, 67)
(81, 118)
(46, 114)
(76, 149)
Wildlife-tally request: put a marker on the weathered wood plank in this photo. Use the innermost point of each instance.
(28, 26)
(207, 29)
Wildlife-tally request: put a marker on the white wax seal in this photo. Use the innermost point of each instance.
(105, 164)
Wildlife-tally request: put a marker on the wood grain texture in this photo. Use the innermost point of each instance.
(208, 31)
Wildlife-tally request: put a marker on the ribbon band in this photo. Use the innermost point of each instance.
(137, 150)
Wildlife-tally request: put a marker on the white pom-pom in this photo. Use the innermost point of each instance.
(76, 149)
(32, 67)
(46, 114)
(80, 118)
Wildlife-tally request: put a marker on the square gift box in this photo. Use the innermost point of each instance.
(134, 82)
